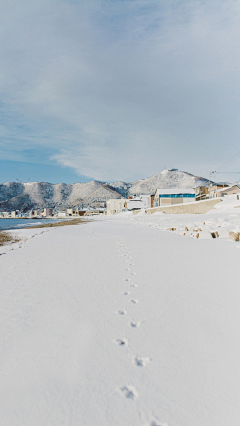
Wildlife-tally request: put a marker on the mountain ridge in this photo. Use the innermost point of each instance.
(32, 195)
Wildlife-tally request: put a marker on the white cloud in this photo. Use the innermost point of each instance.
(118, 89)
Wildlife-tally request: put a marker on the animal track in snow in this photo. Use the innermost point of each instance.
(134, 301)
(133, 285)
(141, 362)
(128, 269)
(122, 342)
(135, 324)
(133, 273)
(126, 293)
(127, 279)
(122, 312)
(130, 392)
(156, 423)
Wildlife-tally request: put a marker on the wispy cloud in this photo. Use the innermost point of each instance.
(117, 89)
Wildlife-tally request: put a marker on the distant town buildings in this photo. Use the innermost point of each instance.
(222, 192)
(62, 214)
(116, 205)
(161, 198)
(47, 212)
(214, 191)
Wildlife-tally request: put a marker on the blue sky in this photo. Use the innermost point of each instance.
(117, 90)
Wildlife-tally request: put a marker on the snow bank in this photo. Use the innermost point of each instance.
(224, 218)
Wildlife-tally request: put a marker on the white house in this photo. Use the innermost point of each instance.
(62, 214)
(47, 212)
(229, 190)
(6, 214)
(165, 197)
(116, 205)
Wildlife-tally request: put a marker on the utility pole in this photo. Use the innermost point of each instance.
(210, 173)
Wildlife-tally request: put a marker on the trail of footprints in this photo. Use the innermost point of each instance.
(22, 243)
(129, 391)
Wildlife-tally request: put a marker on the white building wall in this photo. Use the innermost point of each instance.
(62, 214)
(115, 205)
(134, 204)
(141, 202)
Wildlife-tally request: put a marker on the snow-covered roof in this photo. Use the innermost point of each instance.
(134, 199)
(173, 191)
(226, 188)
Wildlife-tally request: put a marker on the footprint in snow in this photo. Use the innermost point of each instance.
(126, 293)
(122, 342)
(127, 279)
(128, 269)
(122, 312)
(134, 301)
(133, 273)
(129, 392)
(141, 361)
(133, 285)
(135, 324)
(157, 423)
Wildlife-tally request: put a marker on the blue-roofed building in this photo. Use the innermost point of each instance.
(167, 197)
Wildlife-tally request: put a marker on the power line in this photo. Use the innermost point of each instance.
(230, 161)
(224, 172)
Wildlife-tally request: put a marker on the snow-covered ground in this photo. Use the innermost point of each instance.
(122, 322)
(225, 217)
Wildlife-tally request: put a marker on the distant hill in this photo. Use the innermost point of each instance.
(26, 196)
(167, 179)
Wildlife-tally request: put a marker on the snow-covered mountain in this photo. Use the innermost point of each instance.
(25, 196)
(167, 179)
